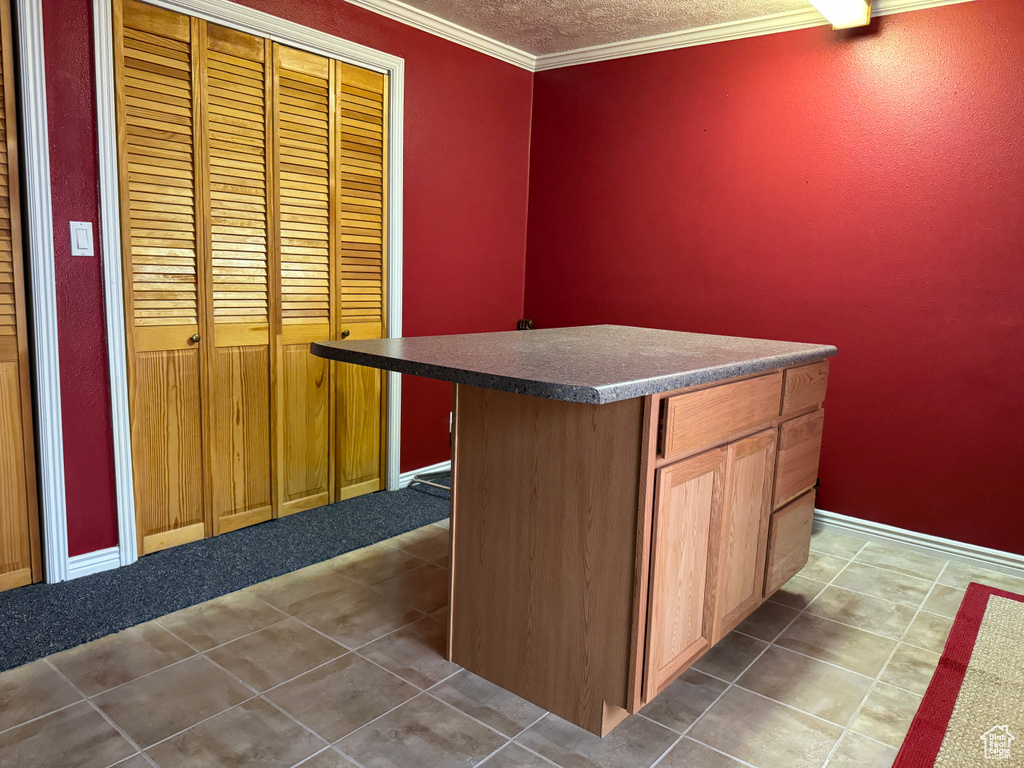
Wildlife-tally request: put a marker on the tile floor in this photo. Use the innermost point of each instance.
(340, 665)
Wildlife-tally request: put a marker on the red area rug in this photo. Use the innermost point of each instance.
(923, 741)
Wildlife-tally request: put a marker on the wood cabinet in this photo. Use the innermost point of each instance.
(253, 223)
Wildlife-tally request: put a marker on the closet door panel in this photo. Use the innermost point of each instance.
(235, 118)
(302, 128)
(156, 105)
(15, 552)
(358, 449)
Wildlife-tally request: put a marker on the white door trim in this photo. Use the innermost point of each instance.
(43, 285)
(228, 14)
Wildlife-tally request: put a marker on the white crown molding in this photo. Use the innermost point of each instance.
(406, 477)
(428, 22)
(94, 562)
(39, 247)
(935, 546)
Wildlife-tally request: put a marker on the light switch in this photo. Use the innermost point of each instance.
(81, 239)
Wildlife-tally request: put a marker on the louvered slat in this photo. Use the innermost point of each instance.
(8, 310)
(361, 137)
(303, 112)
(158, 150)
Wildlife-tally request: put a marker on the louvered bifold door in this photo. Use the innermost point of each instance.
(19, 520)
(303, 150)
(361, 135)
(154, 51)
(235, 120)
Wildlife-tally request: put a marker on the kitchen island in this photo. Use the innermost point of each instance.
(621, 499)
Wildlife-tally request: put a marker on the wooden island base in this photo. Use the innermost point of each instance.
(599, 550)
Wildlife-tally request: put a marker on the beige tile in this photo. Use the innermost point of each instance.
(767, 621)
(959, 575)
(424, 588)
(170, 700)
(929, 631)
(732, 654)
(813, 686)
(851, 648)
(75, 737)
(944, 600)
(887, 714)
(837, 544)
(374, 564)
(360, 617)
(686, 699)
(444, 524)
(910, 668)
(218, 621)
(32, 691)
(635, 743)
(765, 733)
(118, 658)
(429, 543)
(335, 699)
(856, 751)
(424, 733)
(798, 592)
(692, 754)
(514, 756)
(822, 567)
(860, 610)
(884, 584)
(901, 560)
(414, 653)
(301, 591)
(135, 761)
(276, 654)
(252, 735)
(329, 758)
(491, 705)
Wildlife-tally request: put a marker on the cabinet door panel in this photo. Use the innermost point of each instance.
(789, 542)
(799, 447)
(744, 531)
(684, 557)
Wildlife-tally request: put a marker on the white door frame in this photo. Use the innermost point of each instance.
(227, 14)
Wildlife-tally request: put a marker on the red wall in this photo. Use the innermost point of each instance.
(467, 136)
(863, 190)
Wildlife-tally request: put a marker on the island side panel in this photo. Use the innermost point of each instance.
(544, 525)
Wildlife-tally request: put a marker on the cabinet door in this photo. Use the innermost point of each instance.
(686, 522)
(744, 531)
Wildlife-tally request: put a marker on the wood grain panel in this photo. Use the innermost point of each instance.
(305, 406)
(799, 449)
(240, 440)
(684, 557)
(358, 428)
(167, 441)
(744, 530)
(709, 417)
(789, 542)
(15, 552)
(804, 387)
(544, 516)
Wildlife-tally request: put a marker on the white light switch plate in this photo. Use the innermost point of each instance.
(81, 239)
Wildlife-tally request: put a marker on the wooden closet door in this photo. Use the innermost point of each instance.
(19, 516)
(303, 133)
(157, 94)
(235, 76)
(361, 117)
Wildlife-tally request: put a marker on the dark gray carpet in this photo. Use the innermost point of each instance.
(41, 619)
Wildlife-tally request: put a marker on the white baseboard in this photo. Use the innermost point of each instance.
(406, 477)
(94, 562)
(935, 546)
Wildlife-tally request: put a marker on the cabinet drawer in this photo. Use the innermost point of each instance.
(789, 542)
(799, 447)
(804, 387)
(709, 417)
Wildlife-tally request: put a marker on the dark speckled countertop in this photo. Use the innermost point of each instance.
(588, 364)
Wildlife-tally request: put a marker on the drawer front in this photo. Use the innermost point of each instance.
(804, 387)
(799, 447)
(709, 417)
(789, 542)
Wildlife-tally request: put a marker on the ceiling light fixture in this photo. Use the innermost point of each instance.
(845, 13)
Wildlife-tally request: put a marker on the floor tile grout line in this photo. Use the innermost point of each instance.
(45, 714)
(874, 685)
(663, 755)
(528, 749)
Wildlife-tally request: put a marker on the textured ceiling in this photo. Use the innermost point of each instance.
(552, 26)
